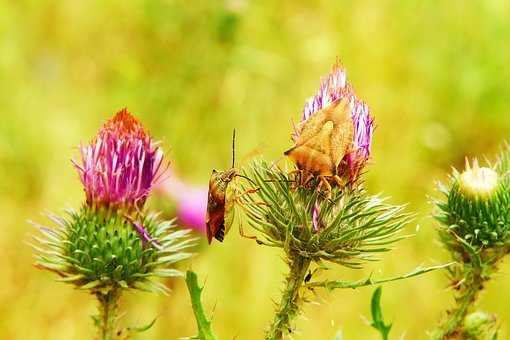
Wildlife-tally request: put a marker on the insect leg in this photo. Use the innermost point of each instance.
(324, 181)
(308, 178)
(241, 232)
(338, 180)
(248, 191)
(298, 176)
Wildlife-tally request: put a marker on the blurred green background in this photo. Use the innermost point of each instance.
(435, 74)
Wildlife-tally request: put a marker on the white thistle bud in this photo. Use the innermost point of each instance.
(478, 181)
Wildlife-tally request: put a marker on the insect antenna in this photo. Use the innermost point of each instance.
(233, 148)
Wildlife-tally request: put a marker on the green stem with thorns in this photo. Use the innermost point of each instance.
(290, 302)
(108, 304)
(471, 286)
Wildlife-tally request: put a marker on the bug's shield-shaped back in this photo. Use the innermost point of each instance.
(324, 139)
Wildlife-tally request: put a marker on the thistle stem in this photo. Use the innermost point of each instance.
(467, 297)
(203, 323)
(289, 305)
(108, 304)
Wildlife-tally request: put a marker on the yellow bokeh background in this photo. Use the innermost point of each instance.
(435, 73)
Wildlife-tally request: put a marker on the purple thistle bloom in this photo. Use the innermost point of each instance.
(334, 87)
(191, 201)
(119, 167)
(355, 159)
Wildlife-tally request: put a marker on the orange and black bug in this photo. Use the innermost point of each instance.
(216, 201)
(220, 200)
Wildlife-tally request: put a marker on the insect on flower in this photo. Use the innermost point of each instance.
(332, 141)
(220, 200)
(324, 139)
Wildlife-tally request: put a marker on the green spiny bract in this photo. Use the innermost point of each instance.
(354, 226)
(100, 251)
(480, 221)
(475, 228)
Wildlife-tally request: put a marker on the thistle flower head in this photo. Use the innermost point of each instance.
(349, 228)
(119, 167)
(474, 212)
(120, 246)
(334, 88)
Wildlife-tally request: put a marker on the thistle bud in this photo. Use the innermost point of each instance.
(476, 207)
(99, 253)
(478, 181)
(119, 167)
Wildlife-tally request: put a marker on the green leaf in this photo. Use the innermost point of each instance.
(203, 323)
(141, 329)
(369, 281)
(377, 317)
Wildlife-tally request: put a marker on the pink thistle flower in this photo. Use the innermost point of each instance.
(334, 87)
(354, 161)
(120, 166)
(191, 201)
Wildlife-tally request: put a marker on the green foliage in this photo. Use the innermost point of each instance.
(99, 251)
(370, 281)
(355, 226)
(377, 317)
(203, 323)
